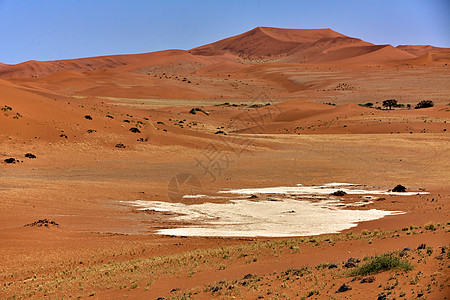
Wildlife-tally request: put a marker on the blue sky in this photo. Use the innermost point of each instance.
(59, 29)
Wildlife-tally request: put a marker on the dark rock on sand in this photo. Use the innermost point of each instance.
(343, 288)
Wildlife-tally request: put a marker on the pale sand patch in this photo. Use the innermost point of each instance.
(282, 216)
(326, 189)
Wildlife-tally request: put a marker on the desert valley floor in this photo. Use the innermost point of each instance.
(117, 173)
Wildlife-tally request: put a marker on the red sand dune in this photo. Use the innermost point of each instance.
(282, 45)
(419, 50)
(264, 42)
(432, 58)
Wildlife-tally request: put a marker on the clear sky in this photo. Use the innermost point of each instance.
(58, 29)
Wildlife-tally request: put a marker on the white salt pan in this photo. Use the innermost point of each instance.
(287, 216)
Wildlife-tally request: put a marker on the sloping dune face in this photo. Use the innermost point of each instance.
(419, 50)
(264, 42)
(36, 69)
(263, 61)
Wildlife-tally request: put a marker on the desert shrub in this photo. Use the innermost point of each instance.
(429, 226)
(88, 117)
(339, 193)
(194, 111)
(368, 104)
(382, 263)
(390, 103)
(10, 160)
(424, 104)
(135, 130)
(30, 155)
(6, 108)
(399, 188)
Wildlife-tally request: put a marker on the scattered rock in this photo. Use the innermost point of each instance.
(220, 132)
(253, 197)
(42, 223)
(339, 193)
(399, 189)
(369, 279)
(332, 266)
(381, 297)
(349, 265)
(88, 117)
(355, 278)
(10, 160)
(343, 288)
(351, 262)
(216, 289)
(354, 260)
(419, 294)
(421, 246)
(440, 257)
(174, 290)
(135, 130)
(30, 155)
(381, 199)
(249, 275)
(120, 145)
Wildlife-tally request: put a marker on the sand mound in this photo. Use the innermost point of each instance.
(265, 42)
(36, 69)
(419, 50)
(431, 58)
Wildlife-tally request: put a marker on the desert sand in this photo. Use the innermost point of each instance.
(152, 176)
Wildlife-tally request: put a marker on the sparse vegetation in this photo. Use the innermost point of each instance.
(134, 130)
(194, 111)
(429, 226)
(390, 103)
(382, 263)
(30, 155)
(339, 193)
(399, 189)
(424, 104)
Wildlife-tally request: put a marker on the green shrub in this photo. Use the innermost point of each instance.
(382, 263)
(429, 226)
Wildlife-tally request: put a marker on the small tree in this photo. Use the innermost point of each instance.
(390, 103)
(424, 104)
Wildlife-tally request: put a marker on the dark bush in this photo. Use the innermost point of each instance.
(368, 104)
(135, 130)
(339, 193)
(10, 160)
(194, 111)
(390, 103)
(424, 104)
(399, 189)
(88, 117)
(30, 155)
